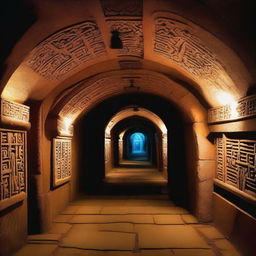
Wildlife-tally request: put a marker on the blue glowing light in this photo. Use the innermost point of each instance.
(137, 140)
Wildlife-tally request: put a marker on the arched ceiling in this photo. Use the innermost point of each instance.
(81, 98)
(63, 50)
(140, 112)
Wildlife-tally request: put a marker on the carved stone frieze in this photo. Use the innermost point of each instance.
(245, 108)
(122, 8)
(177, 41)
(61, 160)
(236, 163)
(65, 50)
(131, 36)
(13, 172)
(13, 113)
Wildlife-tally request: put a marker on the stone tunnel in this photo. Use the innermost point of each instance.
(128, 128)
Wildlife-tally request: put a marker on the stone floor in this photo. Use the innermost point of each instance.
(148, 225)
(146, 176)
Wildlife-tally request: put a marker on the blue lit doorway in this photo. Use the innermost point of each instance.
(137, 147)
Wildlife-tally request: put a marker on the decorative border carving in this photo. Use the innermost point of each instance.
(61, 160)
(130, 34)
(13, 172)
(13, 113)
(122, 8)
(245, 108)
(236, 163)
(65, 50)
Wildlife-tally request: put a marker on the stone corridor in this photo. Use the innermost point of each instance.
(143, 225)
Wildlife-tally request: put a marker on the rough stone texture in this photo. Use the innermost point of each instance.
(174, 236)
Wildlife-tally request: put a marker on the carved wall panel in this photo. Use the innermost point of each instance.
(236, 163)
(246, 107)
(130, 34)
(61, 160)
(14, 113)
(176, 40)
(13, 173)
(65, 50)
(122, 8)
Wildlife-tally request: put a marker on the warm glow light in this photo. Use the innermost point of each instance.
(227, 99)
(65, 128)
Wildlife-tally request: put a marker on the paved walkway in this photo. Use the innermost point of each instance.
(127, 225)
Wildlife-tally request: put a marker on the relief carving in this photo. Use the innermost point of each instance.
(13, 171)
(14, 113)
(176, 40)
(65, 50)
(122, 8)
(61, 160)
(246, 107)
(236, 163)
(130, 34)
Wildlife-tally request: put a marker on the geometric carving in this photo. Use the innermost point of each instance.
(245, 108)
(61, 160)
(122, 8)
(220, 159)
(130, 34)
(14, 113)
(177, 41)
(236, 163)
(65, 50)
(13, 172)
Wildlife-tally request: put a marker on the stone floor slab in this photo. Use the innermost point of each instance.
(77, 252)
(88, 209)
(62, 218)
(59, 228)
(78, 237)
(71, 209)
(36, 249)
(156, 210)
(168, 236)
(168, 219)
(112, 227)
(189, 219)
(45, 237)
(146, 219)
(211, 232)
(193, 252)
